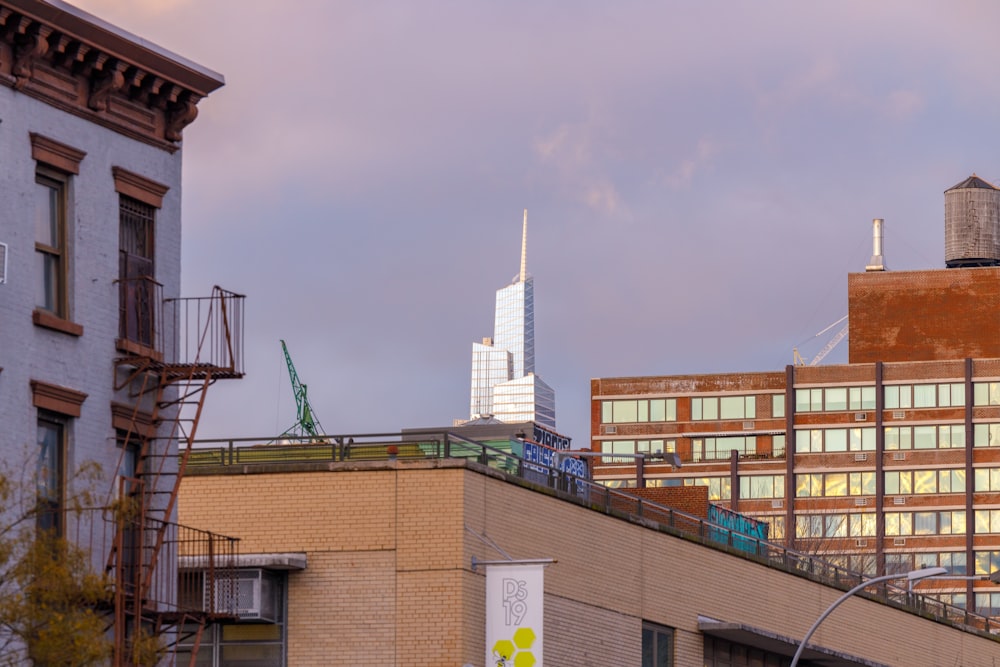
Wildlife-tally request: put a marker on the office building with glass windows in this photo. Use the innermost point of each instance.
(504, 384)
(887, 463)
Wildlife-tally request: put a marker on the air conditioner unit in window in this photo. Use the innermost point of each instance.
(775, 504)
(3, 263)
(899, 542)
(899, 414)
(860, 416)
(860, 457)
(748, 426)
(861, 543)
(860, 502)
(899, 456)
(249, 596)
(899, 500)
(610, 430)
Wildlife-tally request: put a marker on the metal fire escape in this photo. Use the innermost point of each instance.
(170, 352)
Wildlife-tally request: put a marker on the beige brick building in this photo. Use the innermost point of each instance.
(381, 556)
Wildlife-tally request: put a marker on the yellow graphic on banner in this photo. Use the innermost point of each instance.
(516, 653)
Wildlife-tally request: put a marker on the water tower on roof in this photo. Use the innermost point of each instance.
(972, 224)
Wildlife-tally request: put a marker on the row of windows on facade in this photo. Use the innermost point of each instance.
(863, 525)
(822, 399)
(898, 483)
(817, 440)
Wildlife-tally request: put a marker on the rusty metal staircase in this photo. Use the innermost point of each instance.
(172, 351)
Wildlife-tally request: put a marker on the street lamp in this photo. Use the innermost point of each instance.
(911, 576)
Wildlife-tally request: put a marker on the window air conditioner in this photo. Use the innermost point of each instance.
(249, 596)
(861, 543)
(899, 542)
(748, 426)
(899, 500)
(899, 414)
(860, 457)
(775, 504)
(860, 416)
(860, 502)
(3, 263)
(610, 430)
(899, 456)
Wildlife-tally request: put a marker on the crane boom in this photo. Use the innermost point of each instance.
(306, 424)
(833, 342)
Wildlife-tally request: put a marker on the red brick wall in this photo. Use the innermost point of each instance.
(924, 315)
(689, 499)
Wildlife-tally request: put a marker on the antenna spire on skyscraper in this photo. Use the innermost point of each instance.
(524, 248)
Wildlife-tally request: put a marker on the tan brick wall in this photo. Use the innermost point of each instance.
(389, 578)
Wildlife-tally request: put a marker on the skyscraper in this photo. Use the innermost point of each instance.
(504, 384)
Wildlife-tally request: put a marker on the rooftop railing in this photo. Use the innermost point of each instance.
(615, 502)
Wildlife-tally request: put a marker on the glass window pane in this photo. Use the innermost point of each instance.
(892, 437)
(836, 484)
(836, 525)
(868, 483)
(836, 399)
(925, 396)
(732, 407)
(892, 483)
(924, 437)
(868, 398)
(625, 411)
(836, 440)
(778, 405)
(982, 480)
(925, 523)
(891, 397)
(958, 394)
(657, 410)
(606, 412)
(925, 481)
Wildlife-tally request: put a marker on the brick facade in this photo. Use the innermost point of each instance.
(389, 579)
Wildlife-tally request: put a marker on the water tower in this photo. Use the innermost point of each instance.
(972, 224)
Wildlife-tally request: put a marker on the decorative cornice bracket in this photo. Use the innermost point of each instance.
(28, 48)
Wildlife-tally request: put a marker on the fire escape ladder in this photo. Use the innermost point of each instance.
(156, 467)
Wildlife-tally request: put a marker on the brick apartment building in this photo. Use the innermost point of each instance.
(357, 561)
(884, 464)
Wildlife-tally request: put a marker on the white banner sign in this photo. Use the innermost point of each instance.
(514, 596)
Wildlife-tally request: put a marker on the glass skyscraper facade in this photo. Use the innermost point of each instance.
(504, 384)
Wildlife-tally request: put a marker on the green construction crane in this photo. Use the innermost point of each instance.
(307, 425)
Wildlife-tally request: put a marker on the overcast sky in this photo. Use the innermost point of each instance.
(700, 179)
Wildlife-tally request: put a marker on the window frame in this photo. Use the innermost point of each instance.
(51, 507)
(653, 635)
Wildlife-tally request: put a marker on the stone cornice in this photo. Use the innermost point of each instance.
(77, 63)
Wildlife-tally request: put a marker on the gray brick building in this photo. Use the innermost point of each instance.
(91, 320)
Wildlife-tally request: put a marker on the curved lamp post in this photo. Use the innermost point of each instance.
(912, 575)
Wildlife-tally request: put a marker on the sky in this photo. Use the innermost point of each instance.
(700, 178)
